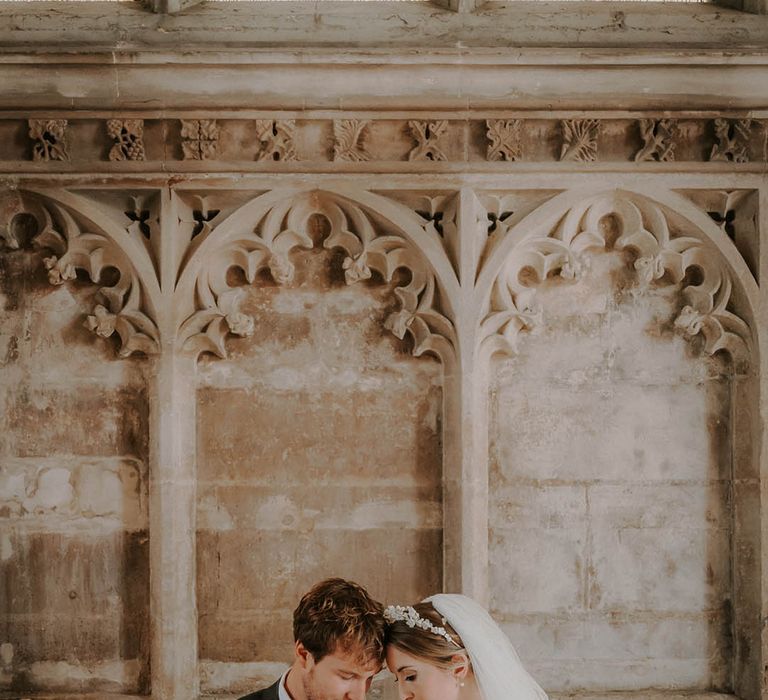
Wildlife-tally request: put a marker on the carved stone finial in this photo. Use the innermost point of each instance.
(276, 138)
(350, 139)
(579, 140)
(129, 139)
(732, 140)
(658, 140)
(200, 139)
(427, 136)
(504, 139)
(51, 139)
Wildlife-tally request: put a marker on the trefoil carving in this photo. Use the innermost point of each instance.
(427, 136)
(200, 139)
(50, 139)
(351, 140)
(657, 258)
(579, 140)
(276, 138)
(120, 307)
(658, 140)
(504, 139)
(129, 139)
(732, 140)
(284, 228)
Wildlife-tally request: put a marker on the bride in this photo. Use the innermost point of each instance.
(449, 648)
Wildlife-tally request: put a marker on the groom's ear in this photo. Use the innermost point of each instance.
(303, 655)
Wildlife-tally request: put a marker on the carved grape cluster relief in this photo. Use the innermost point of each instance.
(129, 139)
(50, 137)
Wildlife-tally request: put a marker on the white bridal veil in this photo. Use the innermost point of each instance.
(498, 671)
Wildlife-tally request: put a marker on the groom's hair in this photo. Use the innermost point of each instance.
(340, 615)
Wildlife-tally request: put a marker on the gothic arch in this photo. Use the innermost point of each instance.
(555, 237)
(260, 235)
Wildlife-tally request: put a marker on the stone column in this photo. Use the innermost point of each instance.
(465, 428)
(172, 489)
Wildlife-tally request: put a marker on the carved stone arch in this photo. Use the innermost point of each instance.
(261, 234)
(556, 236)
(80, 237)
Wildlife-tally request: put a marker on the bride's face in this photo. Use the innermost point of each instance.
(418, 679)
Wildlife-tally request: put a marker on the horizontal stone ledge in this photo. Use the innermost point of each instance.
(415, 86)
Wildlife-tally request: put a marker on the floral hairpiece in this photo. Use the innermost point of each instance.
(407, 614)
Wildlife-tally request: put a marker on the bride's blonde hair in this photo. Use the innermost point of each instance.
(424, 643)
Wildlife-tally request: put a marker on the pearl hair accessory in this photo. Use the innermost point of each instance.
(407, 614)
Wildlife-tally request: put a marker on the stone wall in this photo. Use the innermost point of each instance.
(74, 607)
(612, 484)
(319, 455)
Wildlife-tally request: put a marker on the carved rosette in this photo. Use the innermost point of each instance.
(50, 139)
(200, 139)
(283, 228)
(67, 248)
(129, 139)
(656, 258)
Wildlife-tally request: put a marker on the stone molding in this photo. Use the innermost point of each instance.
(429, 246)
(339, 143)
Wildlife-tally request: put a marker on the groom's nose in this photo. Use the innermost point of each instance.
(357, 692)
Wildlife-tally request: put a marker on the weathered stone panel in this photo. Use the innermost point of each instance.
(74, 560)
(611, 494)
(318, 455)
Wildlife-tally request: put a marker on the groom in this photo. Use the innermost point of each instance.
(338, 632)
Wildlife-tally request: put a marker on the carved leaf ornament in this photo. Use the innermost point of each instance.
(66, 249)
(283, 229)
(656, 258)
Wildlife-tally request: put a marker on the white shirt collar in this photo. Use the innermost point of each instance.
(282, 692)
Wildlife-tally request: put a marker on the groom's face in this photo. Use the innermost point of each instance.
(337, 676)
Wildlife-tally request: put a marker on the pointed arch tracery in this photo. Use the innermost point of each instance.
(557, 238)
(261, 235)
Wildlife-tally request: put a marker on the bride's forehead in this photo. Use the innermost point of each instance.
(397, 657)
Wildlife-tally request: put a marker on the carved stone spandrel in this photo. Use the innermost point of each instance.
(276, 137)
(50, 139)
(129, 139)
(504, 139)
(732, 140)
(351, 139)
(658, 140)
(427, 136)
(579, 140)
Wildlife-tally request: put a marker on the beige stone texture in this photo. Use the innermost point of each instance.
(611, 495)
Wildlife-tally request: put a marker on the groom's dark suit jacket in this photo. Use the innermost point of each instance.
(266, 694)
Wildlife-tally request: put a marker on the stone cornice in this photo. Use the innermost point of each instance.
(560, 79)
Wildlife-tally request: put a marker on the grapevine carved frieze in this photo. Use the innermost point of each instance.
(268, 247)
(50, 139)
(129, 139)
(656, 258)
(68, 246)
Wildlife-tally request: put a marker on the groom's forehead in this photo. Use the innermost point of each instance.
(352, 662)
